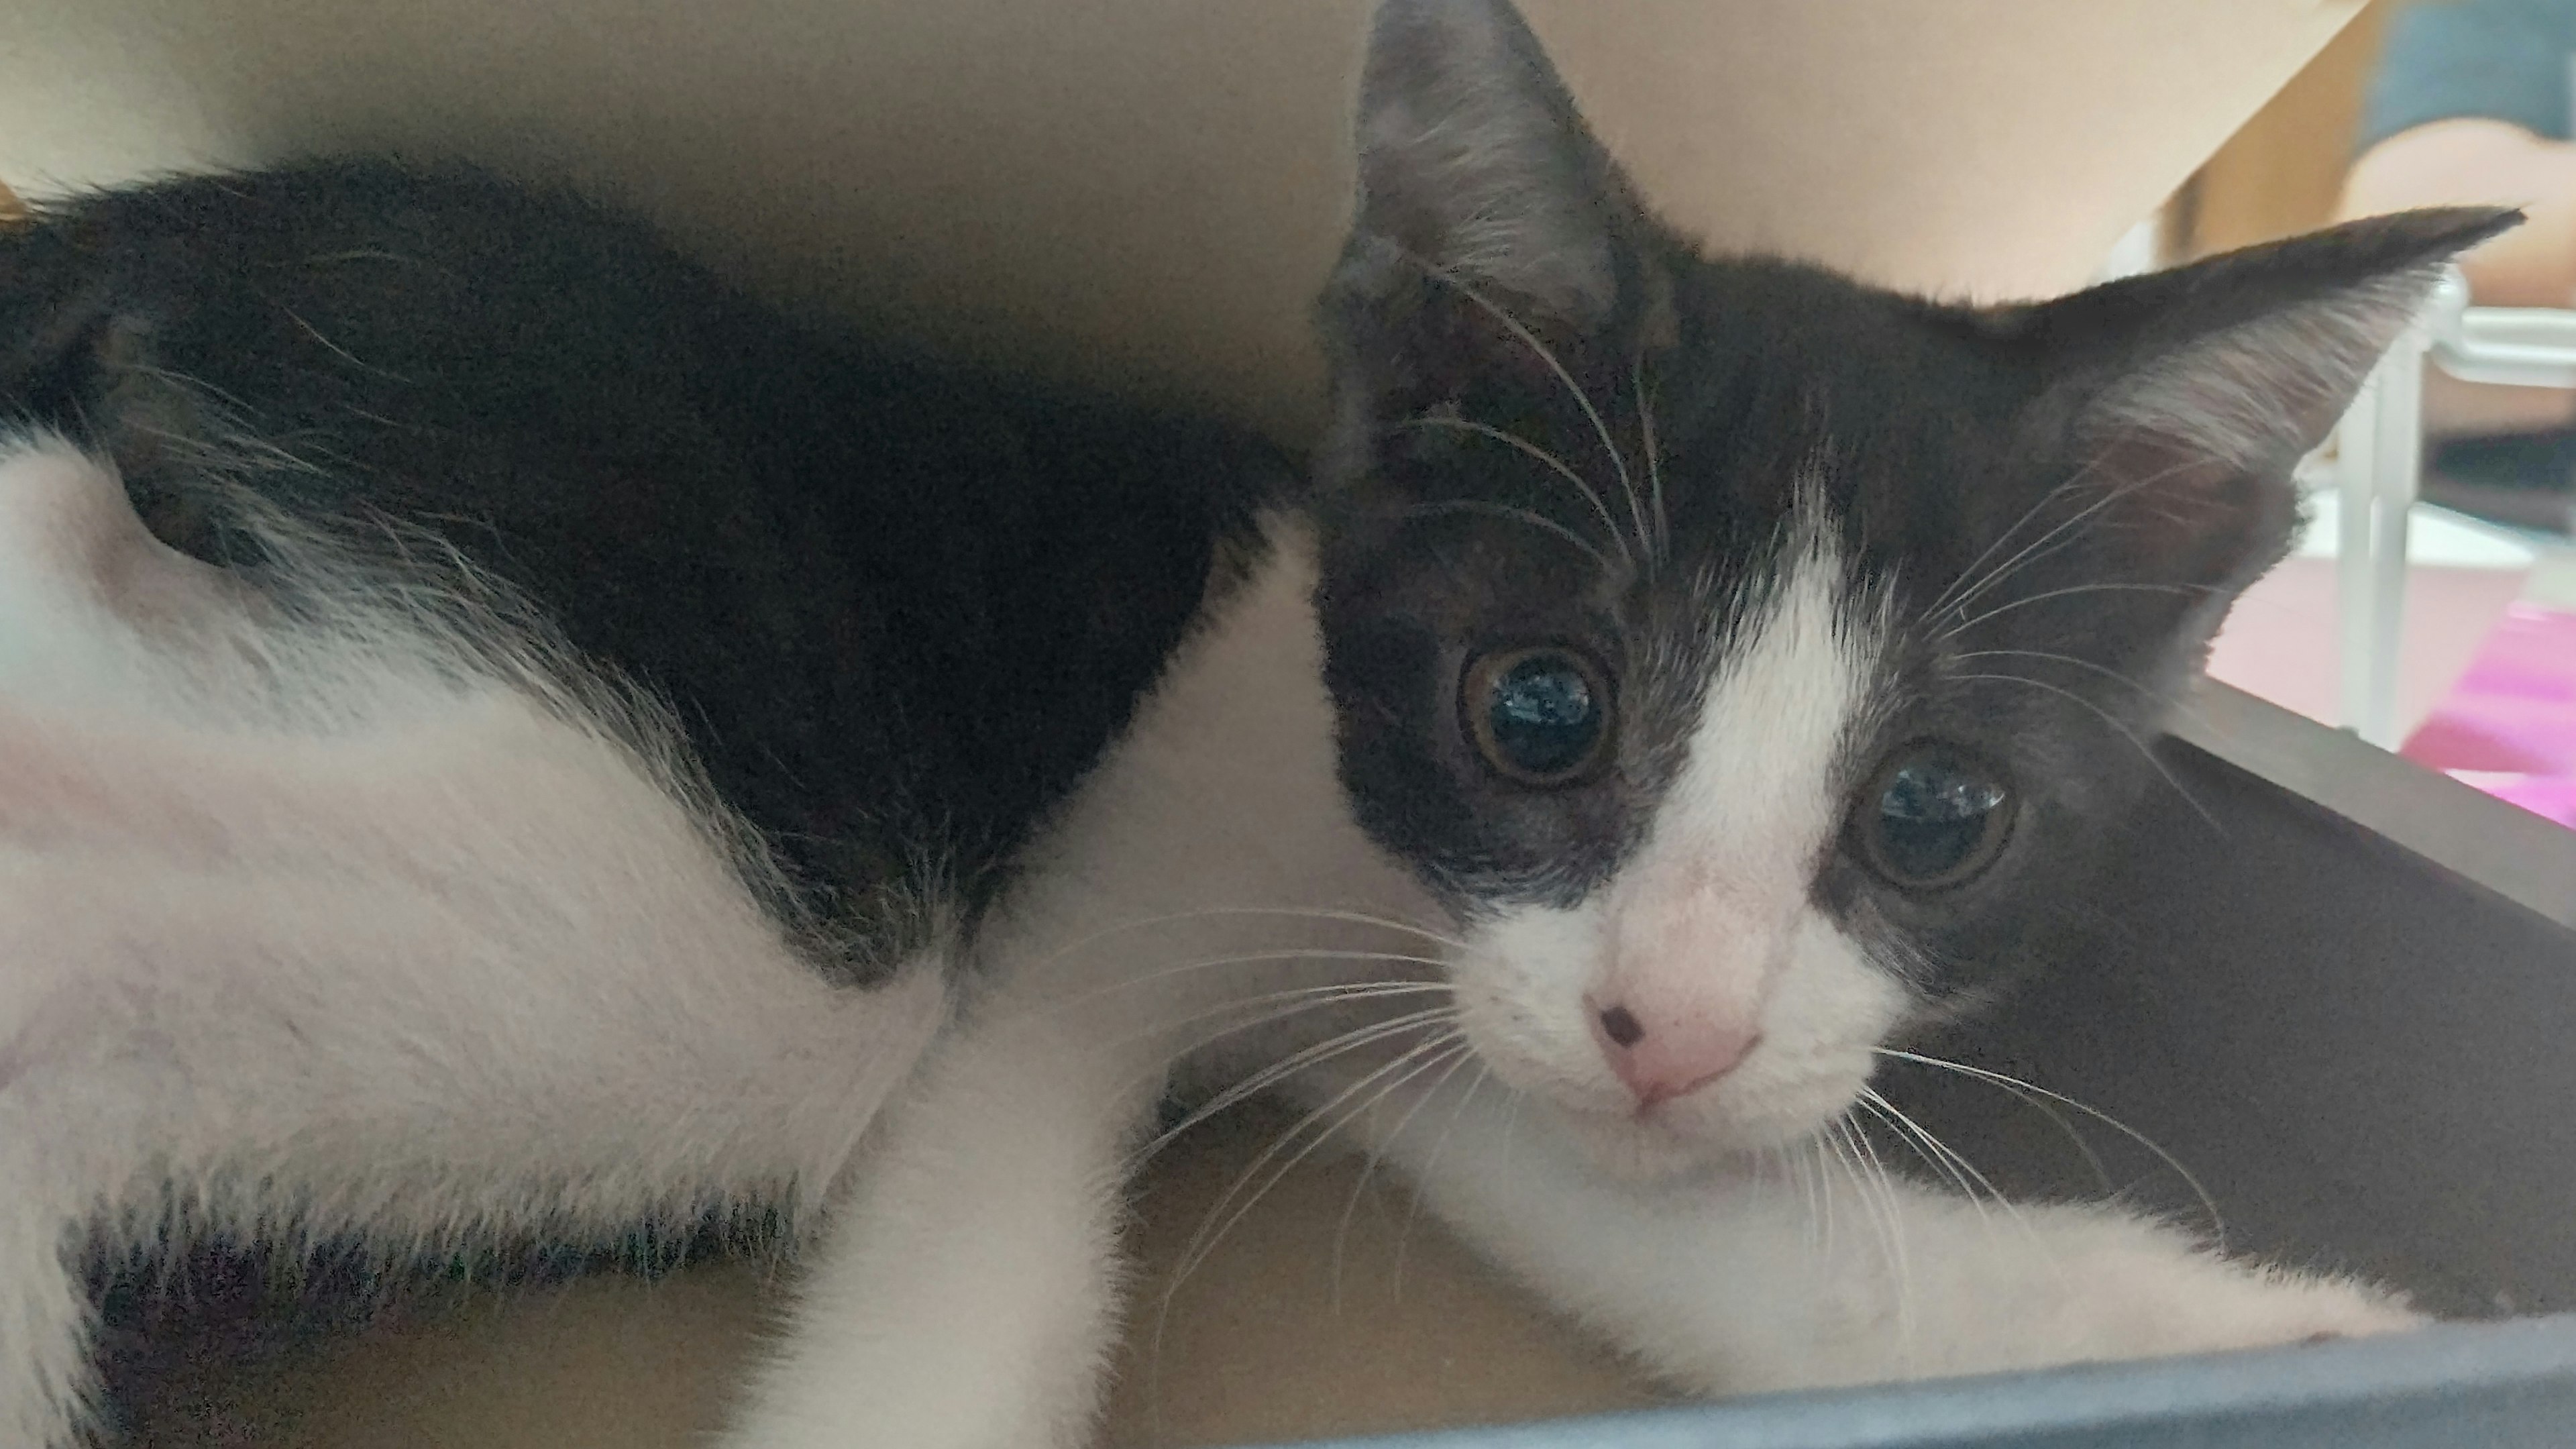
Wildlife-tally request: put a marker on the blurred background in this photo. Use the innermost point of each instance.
(2416, 103)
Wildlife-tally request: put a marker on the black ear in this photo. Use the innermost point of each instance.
(1476, 172)
(2181, 401)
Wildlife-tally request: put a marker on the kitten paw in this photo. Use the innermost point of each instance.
(2156, 1305)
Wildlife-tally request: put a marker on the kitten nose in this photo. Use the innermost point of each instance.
(1664, 1059)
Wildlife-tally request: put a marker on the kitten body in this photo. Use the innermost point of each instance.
(1643, 720)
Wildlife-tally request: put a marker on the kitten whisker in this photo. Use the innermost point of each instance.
(1969, 577)
(2143, 749)
(1368, 1170)
(1385, 1079)
(1534, 452)
(1289, 1066)
(1952, 1161)
(1825, 1189)
(1163, 974)
(1203, 1241)
(1849, 1171)
(1530, 339)
(1911, 1134)
(1819, 1200)
(1965, 625)
(2038, 1240)
(1663, 542)
(2030, 552)
(2160, 696)
(1281, 1005)
(1599, 559)
(1204, 913)
(2075, 1138)
(1413, 1212)
(2209, 1204)
(1890, 1209)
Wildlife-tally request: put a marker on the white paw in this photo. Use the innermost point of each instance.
(2124, 1289)
(2159, 1296)
(2274, 1307)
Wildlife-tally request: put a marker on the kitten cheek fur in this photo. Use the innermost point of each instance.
(1545, 400)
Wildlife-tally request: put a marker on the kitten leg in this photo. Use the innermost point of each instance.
(44, 1315)
(967, 1297)
(449, 968)
(1746, 1281)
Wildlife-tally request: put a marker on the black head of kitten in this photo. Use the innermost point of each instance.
(1753, 658)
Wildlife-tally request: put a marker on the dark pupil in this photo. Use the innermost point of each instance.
(1543, 715)
(1933, 817)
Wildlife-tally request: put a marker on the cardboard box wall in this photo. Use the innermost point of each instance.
(1154, 187)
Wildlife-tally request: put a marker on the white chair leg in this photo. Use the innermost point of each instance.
(2397, 468)
(2356, 486)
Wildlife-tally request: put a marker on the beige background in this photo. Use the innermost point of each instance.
(1148, 189)
(1152, 187)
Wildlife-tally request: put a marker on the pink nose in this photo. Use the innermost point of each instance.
(1661, 1060)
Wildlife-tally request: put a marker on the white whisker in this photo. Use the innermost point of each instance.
(1267, 1009)
(1533, 451)
(1663, 542)
(1969, 577)
(1404, 1235)
(1346, 917)
(1412, 1063)
(1204, 1240)
(1368, 1170)
(2022, 559)
(2067, 659)
(2144, 751)
(1599, 559)
(2209, 1204)
(1529, 339)
(1912, 1134)
(1289, 1066)
(1163, 974)
(1964, 625)
(1891, 1207)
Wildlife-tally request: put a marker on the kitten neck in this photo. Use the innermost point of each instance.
(1218, 828)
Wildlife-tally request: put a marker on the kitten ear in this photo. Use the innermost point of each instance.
(1476, 168)
(2191, 394)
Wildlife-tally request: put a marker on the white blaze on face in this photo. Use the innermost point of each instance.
(1742, 1013)
(1703, 918)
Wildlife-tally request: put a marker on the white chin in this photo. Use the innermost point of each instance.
(1682, 1137)
(1642, 1149)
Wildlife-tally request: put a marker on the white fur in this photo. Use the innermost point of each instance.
(449, 963)
(370, 928)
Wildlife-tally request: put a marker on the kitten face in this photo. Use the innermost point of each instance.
(1754, 661)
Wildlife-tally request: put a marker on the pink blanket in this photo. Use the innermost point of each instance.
(2509, 726)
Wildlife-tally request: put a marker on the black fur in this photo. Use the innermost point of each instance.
(897, 610)
(2062, 441)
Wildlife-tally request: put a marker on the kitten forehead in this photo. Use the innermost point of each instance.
(1758, 791)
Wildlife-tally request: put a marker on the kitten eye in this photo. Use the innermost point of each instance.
(1931, 818)
(1539, 716)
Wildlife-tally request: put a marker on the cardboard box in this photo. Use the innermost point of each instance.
(1150, 191)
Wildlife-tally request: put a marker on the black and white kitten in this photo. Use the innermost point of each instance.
(1682, 679)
